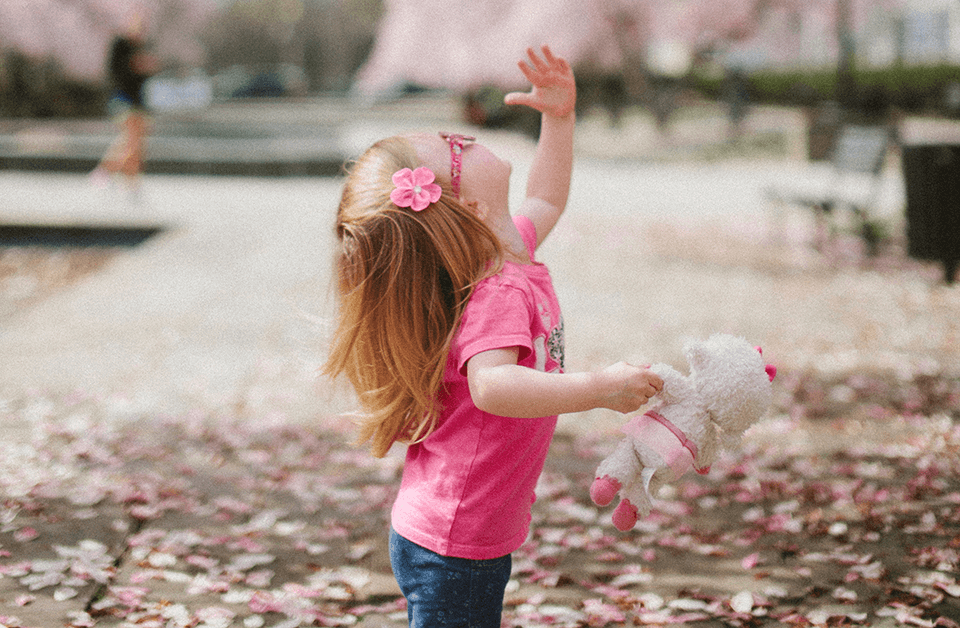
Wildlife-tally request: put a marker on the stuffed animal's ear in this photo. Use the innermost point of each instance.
(770, 369)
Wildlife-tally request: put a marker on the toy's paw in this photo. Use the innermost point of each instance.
(625, 516)
(603, 490)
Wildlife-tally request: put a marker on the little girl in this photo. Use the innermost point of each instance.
(450, 332)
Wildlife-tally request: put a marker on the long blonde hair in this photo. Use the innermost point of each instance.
(403, 279)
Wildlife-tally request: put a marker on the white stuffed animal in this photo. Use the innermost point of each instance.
(728, 389)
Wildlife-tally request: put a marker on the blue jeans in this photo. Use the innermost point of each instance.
(448, 592)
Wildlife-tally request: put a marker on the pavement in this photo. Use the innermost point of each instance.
(205, 340)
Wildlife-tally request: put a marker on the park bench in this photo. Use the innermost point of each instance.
(852, 182)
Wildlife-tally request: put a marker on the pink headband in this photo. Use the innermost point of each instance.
(456, 141)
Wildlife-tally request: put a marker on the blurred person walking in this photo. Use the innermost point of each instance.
(130, 65)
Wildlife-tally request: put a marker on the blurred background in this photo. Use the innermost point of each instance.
(862, 54)
(160, 338)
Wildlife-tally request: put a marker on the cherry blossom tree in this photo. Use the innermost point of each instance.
(328, 40)
(76, 34)
(624, 50)
(53, 52)
(461, 44)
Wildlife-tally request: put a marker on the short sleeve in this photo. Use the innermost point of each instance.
(528, 231)
(498, 316)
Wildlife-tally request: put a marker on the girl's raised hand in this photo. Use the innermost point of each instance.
(554, 90)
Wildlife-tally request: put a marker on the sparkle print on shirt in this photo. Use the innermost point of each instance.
(555, 343)
(551, 346)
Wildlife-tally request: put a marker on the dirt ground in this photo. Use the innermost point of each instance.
(842, 509)
(30, 274)
(271, 524)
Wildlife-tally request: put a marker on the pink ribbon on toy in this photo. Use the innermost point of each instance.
(665, 438)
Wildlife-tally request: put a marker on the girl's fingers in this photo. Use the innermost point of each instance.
(542, 72)
(555, 63)
(518, 98)
(548, 55)
(537, 61)
(528, 72)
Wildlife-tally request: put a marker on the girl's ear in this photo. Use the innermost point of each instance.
(478, 208)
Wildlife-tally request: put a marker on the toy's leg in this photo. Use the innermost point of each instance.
(603, 490)
(635, 504)
(615, 470)
(625, 515)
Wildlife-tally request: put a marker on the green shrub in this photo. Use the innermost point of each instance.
(912, 88)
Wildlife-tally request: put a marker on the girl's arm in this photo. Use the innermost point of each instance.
(500, 386)
(554, 94)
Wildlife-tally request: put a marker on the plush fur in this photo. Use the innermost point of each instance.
(728, 389)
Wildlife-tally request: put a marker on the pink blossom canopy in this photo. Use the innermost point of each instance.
(465, 44)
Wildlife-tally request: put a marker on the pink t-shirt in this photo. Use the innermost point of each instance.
(468, 488)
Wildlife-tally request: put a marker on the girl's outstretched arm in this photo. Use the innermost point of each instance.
(554, 95)
(500, 386)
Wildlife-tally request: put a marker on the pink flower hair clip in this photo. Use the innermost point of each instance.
(415, 188)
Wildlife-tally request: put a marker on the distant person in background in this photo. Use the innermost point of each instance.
(736, 95)
(129, 68)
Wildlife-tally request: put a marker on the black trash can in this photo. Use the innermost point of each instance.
(931, 173)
